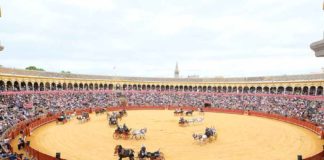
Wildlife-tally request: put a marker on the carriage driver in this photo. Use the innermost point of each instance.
(125, 128)
(143, 151)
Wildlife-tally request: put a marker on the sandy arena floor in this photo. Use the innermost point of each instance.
(239, 138)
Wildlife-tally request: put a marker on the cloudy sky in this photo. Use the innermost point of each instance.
(146, 37)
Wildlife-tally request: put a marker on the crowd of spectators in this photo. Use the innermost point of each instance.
(20, 107)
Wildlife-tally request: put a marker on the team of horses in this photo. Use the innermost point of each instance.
(84, 117)
(115, 116)
(210, 134)
(185, 122)
(142, 154)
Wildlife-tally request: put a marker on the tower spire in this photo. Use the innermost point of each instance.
(176, 71)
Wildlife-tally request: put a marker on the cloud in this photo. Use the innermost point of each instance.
(146, 38)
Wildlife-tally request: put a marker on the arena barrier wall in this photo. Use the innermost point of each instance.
(29, 126)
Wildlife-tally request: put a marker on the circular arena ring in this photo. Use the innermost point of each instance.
(241, 135)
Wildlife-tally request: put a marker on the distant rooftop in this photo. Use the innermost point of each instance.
(21, 72)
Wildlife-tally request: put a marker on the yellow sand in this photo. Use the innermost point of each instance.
(239, 138)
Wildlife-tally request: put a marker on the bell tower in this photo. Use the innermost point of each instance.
(176, 71)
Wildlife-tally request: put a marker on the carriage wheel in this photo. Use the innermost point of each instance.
(116, 135)
(161, 156)
(125, 136)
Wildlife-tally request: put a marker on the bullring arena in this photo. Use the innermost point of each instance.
(240, 137)
(254, 118)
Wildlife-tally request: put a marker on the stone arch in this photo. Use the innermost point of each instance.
(30, 86)
(246, 89)
(280, 90)
(110, 86)
(86, 86)
(36, 86)
(289, 90)
(53, 86)
(9, 86)
(59, 86)
(319, 91)
(312, 90)
(41, 86)
(2, 86)
(81, 87)
(64, 87)
(305, 90)
(90, 86)
(16, 86)
(258, 89)
(297, 90)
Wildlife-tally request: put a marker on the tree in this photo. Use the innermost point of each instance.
(33, 68)
(65, 72)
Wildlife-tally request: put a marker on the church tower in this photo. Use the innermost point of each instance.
(176, 71)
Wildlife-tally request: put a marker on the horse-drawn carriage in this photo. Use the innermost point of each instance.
(100, 111)
(84, 117)
(61, 119)
(178, 112)
(118, 115)
(112, 121)
(122, 132)
(143, 154)
(185, 122)
(209, 135)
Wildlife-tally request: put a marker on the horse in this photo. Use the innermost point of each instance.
(138, 134)
(178, 112)
(190, 112)
(210, 132)
(200, 137)
(123, 112)
(124, 153)
(183, 122)
(84, 117)
(100, 111)
(198, 120)
(201, 111)
(117, 115)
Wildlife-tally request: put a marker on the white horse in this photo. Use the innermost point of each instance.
(198, 120)
(200, 137)
(138, 134)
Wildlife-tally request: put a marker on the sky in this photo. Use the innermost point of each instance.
(146, 38)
